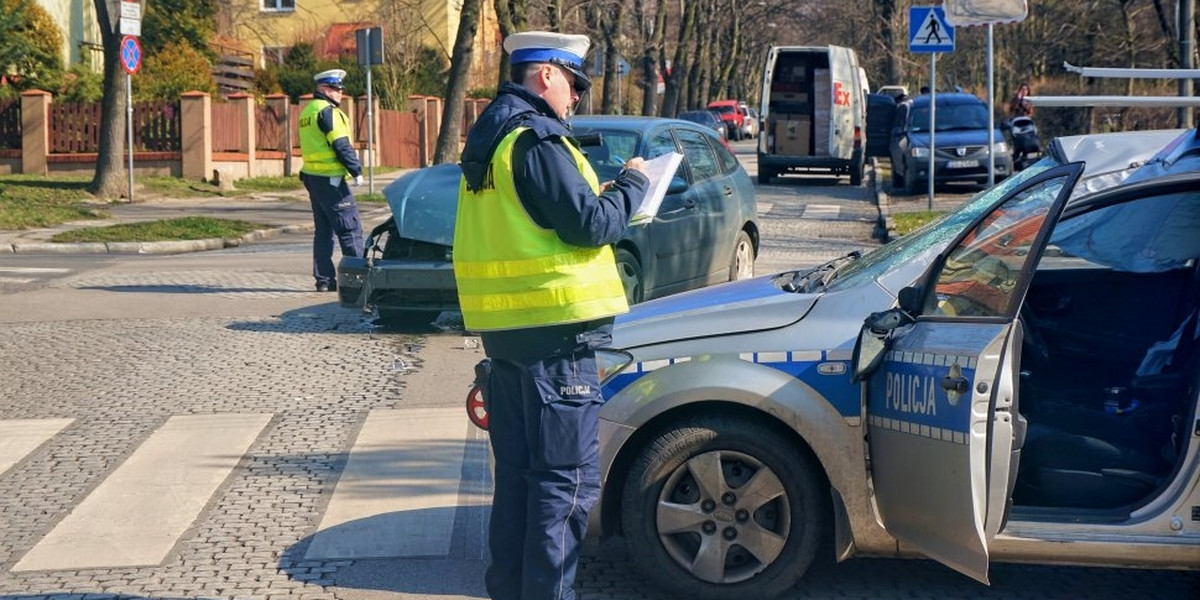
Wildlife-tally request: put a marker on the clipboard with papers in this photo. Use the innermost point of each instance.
(660, 171)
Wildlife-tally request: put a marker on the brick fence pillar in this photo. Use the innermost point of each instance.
(282, 107)
(196, 126)
(420, 108)
(248, 129)
(35, 131)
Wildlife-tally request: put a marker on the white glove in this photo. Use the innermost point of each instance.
(357, 180)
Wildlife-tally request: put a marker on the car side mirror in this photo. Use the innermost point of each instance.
(873, 341)
(911, 300)
(678, 185)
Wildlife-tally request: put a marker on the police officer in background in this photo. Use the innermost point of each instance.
(328, 159)
(537, 279)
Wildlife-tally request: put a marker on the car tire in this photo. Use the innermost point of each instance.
(910, 183)
(630, 271)
(786, 529)
(741, 265)
(897, 180)
(765, 175)
(403, 318)
(856, 170)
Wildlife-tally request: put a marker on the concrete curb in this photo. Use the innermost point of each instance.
(167, 246)
(885, 226)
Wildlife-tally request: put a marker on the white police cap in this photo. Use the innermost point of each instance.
(563, 49)
(332, 78)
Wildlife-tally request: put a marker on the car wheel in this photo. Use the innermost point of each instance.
(401, 318)
(630, 271)
(856, 172)
(910, 183)
(897, 180)
(764, 176)
(741, 266)
(718, 508)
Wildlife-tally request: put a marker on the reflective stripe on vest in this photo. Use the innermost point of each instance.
(511, 273)
(316, 147)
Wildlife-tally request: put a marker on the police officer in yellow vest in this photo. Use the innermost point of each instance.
(329, 159)
(537, 279)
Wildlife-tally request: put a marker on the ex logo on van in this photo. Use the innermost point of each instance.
(840, 96)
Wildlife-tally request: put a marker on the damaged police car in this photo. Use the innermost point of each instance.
(1026, 390)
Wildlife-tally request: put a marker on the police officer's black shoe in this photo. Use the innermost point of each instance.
(327, 287)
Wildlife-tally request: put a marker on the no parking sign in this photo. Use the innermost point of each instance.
(131, 54)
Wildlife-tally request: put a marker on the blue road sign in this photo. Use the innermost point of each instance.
(131, 54)
(928, 30)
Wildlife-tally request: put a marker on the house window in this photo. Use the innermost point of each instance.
(279, 5)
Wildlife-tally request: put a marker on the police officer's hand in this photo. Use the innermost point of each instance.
(357, 180)
(636, 163)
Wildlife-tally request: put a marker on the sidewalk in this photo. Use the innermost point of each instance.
(284, 212)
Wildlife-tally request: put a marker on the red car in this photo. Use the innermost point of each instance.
(733, 113)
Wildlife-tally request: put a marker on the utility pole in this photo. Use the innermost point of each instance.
(1187, 42)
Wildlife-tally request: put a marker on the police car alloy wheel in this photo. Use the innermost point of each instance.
(716, 508)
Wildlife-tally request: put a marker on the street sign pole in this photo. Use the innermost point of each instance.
(370, 127)
(932, 120)
(129, 127)
(131, 61)
(991, 111)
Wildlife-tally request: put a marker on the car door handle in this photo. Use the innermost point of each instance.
(955, 384)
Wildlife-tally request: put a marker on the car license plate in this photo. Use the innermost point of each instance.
(962, 164)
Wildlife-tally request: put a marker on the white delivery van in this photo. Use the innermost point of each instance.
(813, 113)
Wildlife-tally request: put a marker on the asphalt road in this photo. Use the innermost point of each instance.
(206, 426)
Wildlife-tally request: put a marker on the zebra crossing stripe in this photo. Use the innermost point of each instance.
(399, 492)
(136, 515)
(19, 437)
(822, 211)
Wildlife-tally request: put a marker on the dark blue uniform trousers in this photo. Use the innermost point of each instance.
(335, 214)
(543, 425)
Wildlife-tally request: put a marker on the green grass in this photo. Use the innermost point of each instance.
(39, 201)
(185, 228)
(365, 198)
(175, 187)
(33, 201)
(906, 223)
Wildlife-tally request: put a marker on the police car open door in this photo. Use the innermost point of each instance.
(942, 404)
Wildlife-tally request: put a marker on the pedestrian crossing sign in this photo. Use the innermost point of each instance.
(928, 30)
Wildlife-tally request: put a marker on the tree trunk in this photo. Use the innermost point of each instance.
(447, 149)
(679, 68)
(650, 55)
(511, 17)
(109, 178)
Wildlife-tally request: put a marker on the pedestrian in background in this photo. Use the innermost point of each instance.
(1019, 106)
(329, 158)
(537, 278)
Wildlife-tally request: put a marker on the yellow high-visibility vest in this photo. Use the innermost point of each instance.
(513, 273)
(316, 146)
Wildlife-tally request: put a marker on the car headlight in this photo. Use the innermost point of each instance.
(918, 152)
(611, 362)
(1000, 148)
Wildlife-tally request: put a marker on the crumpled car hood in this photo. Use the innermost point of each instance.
(735, 307)
(424, 203)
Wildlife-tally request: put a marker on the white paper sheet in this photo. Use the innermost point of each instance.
(660, 171)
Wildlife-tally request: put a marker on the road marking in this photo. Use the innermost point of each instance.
(399, 492)
(17, 280)
(138, 513)
(822, 211)
(33, 270)
(19, 437)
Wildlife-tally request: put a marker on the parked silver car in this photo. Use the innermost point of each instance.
(706, 230)
(1005, 412)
